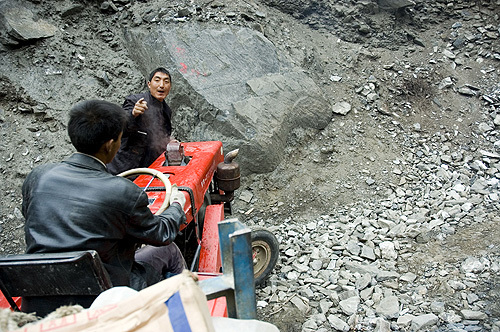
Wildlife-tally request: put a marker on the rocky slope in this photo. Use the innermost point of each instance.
(387, 217)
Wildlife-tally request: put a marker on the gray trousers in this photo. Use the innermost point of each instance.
(166, 260)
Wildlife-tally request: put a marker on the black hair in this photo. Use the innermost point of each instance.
(94, 122)
(161, 70)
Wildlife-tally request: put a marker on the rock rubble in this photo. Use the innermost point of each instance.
(354, 268)
(414, 247)
(369, 266)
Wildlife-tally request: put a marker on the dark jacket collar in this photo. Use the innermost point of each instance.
(86, 161)
(153, 100)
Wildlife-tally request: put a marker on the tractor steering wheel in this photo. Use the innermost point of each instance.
(155, 173)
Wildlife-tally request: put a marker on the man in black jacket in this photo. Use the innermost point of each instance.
(148, 127)
(78, 205)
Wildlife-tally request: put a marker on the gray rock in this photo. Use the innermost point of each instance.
(350, 305)
(422, 322)
(337, 323)
(19, 22)
(471, 298)
(366, 293)
(250, 107)
(388, 250)
(246, 196)
(353, 247)
(367, 252)
(300, 303)
(387, 275)
(408, 277)
(316, 264)
(325, 306)
(341, 108)
(445, 83)
(405, 320)
(382, 325)
(437, 307)
(474, 265)
(388, 307)
(466, 91)
(496, 121)
(473, 314)
(449, 54)
(71, 9)
(362, 268)
(363, 281)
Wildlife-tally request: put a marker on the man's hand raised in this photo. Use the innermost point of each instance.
(140, 107)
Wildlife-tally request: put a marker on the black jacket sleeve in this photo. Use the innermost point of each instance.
(152, 229)
(128, 105)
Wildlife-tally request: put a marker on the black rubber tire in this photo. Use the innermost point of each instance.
(265, 252)
(201, 213)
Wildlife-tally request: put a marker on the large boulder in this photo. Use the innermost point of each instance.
(18, 24)
(231, 85)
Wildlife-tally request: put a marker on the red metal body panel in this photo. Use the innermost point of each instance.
(197, 174)
(5, 304)
(210, 258)
(217, 307)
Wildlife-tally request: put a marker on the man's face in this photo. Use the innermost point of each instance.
(159, 86)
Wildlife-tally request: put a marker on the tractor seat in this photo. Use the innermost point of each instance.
(47, 281)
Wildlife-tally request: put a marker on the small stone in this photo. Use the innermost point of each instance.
(338, 324)
(369, 181)
(310, 324)
(246, 196)
(473, 314)
(18, 214)
(316, 264)
(437, 307)
(382, 325)
(466, 91)
(260, 14)
(335, 78)
(387, 275)
(367, 252)
(341, 108)
(423, 321)
(353, 247)
(471, 298)
(456, 285)
(325, 306)
(474, 265)
(350, 305)
(388, 307)
(449, 54)
(261, 304)
(292, 275)
(405, 320)
(184, 12)
(366, 293)
(388, 250)
(445, 83)
(363, 282)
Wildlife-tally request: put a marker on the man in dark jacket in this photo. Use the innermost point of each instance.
(148, 127)
(77, 205)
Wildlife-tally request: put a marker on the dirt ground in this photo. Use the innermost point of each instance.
(399, 52)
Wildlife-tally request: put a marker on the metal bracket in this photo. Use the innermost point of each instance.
(237, 281)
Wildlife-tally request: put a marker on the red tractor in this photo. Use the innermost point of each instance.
(208, 179)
